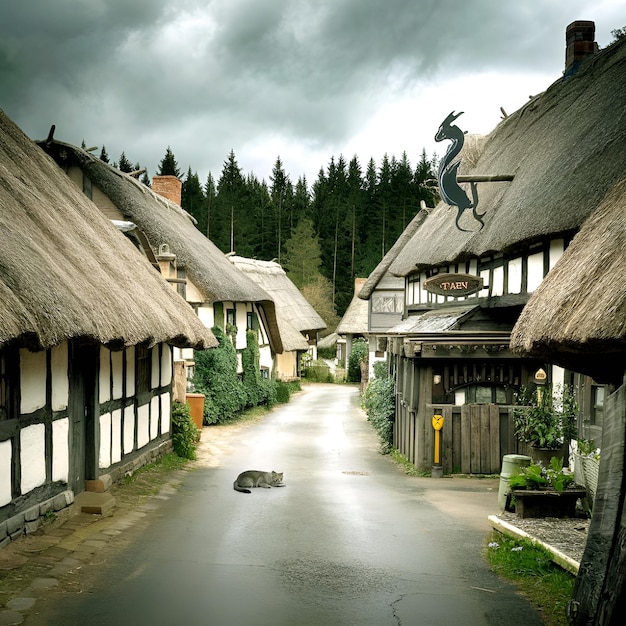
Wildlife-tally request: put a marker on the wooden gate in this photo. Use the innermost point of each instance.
(475, 437)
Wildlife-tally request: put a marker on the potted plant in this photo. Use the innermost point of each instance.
(539, 491)
(546, 420)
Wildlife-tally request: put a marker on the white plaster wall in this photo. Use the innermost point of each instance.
(130, 371)
(155, 373)
(193, 294)
(265, 357)
(116, 436)
(60, 450)
(497, 289)
(143, 425)
(535, 271)
(484, 292)
(241, 318)
(515, 275)
(117, 373)
(557, 248)
(32, 380)
(60, 378)
(154, 417)
(105, 440)
(166, 365)
(129, 429)
(166, 412)
(33, 457)
(6, 453)
(104, 381)
(206, 315)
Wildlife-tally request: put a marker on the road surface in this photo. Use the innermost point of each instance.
(351, 540)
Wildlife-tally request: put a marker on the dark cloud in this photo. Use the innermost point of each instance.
(206, 77)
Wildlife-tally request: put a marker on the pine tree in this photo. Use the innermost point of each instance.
(230, 196)
(124, 164)
(210, 195)
(168, 165)
(103, 155)
(281, 193)
(303, 255)
(193, 200)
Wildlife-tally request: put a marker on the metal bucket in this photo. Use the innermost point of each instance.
(511, 464)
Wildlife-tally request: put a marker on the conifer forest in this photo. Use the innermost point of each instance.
(325, 233)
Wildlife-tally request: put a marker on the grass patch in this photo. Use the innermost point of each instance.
(530, 567)
(406, 465)
(147, 480)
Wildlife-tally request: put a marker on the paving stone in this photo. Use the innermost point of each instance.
(44, 583)
(11, 618)
(21, 604)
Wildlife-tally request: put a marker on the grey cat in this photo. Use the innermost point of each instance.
(256, 478)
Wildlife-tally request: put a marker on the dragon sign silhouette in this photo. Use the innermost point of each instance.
(451, 192)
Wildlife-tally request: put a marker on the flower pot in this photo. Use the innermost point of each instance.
(196, 407)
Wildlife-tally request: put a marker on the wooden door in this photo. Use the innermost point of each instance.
(83, 370)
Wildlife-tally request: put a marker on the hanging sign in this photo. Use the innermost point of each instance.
(454, 285)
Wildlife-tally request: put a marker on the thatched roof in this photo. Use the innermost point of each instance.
(355, 319)
(65, 270)
(565, 148)
(577, 316)
(163, 221)
(293, 310)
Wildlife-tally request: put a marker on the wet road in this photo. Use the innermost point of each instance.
(349, 541)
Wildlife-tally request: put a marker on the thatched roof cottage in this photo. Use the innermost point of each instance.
(298, 321)
(86, 327)
(468, 274)
(221, 294)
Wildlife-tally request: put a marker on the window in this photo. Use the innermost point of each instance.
(252, 322)
(388, 304)
(143, 370)
(231, 319)
(597, 408)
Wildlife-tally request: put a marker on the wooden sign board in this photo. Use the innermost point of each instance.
(453, 285)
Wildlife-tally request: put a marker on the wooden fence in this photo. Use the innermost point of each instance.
(474, 437)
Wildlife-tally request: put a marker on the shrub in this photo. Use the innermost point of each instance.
(226, 394)
(317, 372)
(379, 403)
(216, 377)
(358, 354)
(184, 432)
(282, 392)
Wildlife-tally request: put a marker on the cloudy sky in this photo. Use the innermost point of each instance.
(299, 79)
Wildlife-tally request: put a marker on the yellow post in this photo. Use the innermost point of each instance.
(437, 425)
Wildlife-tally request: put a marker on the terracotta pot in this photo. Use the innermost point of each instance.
(196, 407)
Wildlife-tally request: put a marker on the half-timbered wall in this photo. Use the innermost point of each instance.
(134, 396)
(47, 448)
(243, 315)
(502, 275)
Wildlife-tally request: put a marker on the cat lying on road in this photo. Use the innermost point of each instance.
(255, 478)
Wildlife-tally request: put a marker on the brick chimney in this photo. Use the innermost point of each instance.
(169, 187)
(580, 44)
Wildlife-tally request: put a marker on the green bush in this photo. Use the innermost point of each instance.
(327, 353)
(379, 403)
(185, 435)
(226, 394)
(282, 392)
(317, 372)
(359, 353)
